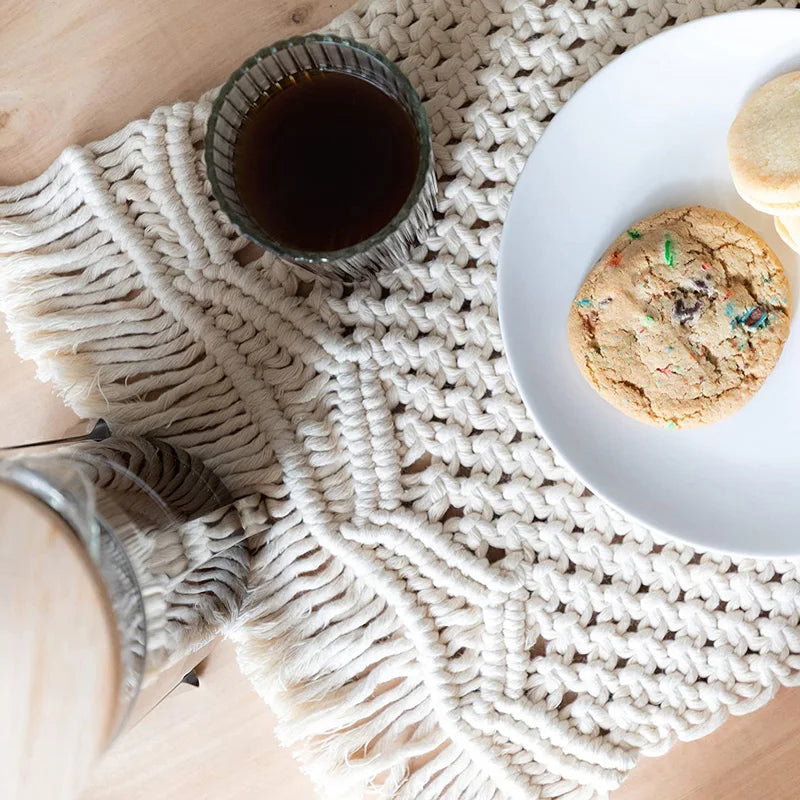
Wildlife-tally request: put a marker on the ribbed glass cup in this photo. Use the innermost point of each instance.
(386, 249)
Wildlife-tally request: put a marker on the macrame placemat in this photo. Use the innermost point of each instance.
(439, 609)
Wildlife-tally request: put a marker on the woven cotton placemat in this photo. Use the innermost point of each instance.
(439, 608)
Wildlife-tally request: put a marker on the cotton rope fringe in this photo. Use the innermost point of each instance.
(187, 550)
(439, 609)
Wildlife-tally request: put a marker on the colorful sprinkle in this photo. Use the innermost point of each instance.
(671, 424)
(728, 309)
(648, 320)
(754, 318)
(767, 280)
(669, 256)
(728, 294)
(616, 259)
(670, 349)
(704, 266)
(583, 303)
(634, 234)
(668, 370)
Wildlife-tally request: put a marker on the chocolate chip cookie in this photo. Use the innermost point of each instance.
(682, 319)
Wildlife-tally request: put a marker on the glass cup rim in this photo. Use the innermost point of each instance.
(261, 237)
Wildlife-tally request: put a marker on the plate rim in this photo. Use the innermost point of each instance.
(503, 287)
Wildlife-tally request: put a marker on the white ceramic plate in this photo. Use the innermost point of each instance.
(646, 133)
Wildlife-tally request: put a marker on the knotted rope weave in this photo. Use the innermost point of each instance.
(439, 608)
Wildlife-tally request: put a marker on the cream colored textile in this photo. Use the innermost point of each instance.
(440, 608)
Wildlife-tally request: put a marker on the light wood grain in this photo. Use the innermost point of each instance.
(754, 757)
(214, 742)
(60, 665)
(29, 410)
(76, 71)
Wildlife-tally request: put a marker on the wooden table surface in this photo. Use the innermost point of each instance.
(72, 72)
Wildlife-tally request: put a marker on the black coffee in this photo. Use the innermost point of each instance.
(325, 161)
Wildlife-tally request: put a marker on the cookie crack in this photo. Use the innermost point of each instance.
(710, 357)
(638, 390)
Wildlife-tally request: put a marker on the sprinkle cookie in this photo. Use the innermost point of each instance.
(682, 319)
